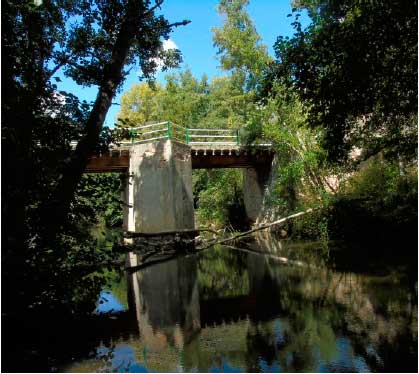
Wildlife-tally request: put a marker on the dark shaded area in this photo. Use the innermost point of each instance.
(49, 207)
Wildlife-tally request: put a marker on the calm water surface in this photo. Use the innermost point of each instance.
(290, 308)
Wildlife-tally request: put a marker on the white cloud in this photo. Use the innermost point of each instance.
(167, 45)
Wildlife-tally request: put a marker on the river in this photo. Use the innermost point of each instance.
(262, 306)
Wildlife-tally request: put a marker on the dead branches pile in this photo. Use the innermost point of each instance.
(154, 248)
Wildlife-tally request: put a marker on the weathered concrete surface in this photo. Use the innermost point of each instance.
(159, 188)
(255, 183)
(270, 212)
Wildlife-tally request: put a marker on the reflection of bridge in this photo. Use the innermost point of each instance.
(168, 308)
(159, 159)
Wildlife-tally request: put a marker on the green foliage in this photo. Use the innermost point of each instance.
(119, 288)
(385, 189)
(101, 192)
(377, 204)
(300, 167)
(219, 197)
(186, 101)
(238, 43)
(140, 104)
(355, 67)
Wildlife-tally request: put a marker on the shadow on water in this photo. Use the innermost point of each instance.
(262, 306)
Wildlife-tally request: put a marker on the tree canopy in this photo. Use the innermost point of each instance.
(355, 68)
(240, 47)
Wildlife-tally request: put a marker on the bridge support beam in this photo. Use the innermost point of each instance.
(255, 182)
(159, 188)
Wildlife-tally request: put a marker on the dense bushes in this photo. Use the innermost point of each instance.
(219, 198)
(377, 204)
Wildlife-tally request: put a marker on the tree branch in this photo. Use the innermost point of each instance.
(152, 9)
(262, 227)
(177, 24)
(175, 254)
(63, 61)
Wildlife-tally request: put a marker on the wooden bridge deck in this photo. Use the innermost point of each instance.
(203, 157)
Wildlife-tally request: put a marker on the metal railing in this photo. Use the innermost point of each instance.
(170, 130)
(213, 136)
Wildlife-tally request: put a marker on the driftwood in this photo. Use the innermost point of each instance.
(166, 250)
(258, 228)
(165, 256)
(212, 242)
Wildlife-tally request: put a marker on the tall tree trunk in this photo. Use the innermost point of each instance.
(112, 77)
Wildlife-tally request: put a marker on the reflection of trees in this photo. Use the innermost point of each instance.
(119, 289)
(216, 345)
(301, 335)
(319, 310)
(222, 273)
(321, 305)
(299, 318)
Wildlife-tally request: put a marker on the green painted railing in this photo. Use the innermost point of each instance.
(170, 130)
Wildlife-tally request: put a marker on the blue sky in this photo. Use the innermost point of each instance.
(195, 40)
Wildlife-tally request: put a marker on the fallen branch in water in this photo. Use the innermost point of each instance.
(261, 227)
(166, 249)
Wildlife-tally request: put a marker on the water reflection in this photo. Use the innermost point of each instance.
(228, 310)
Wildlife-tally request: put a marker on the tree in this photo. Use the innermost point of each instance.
(49, 254)
(183, 101)
(140, 104)
(355, 67)
(279, 119)
(93, 42)
(239, 45)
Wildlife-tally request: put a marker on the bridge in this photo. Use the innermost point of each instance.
(159, 158)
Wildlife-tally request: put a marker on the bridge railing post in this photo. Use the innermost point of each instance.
(187, 135)
(169, 130)
(237, 137)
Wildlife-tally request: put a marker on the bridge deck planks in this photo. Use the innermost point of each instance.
(225, 159)
(118, 160)
(112, 162)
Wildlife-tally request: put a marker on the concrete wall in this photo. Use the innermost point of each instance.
(159, 188)
(255, 182)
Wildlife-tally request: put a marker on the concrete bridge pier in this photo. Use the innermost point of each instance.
(255, 183)
(158, 191)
